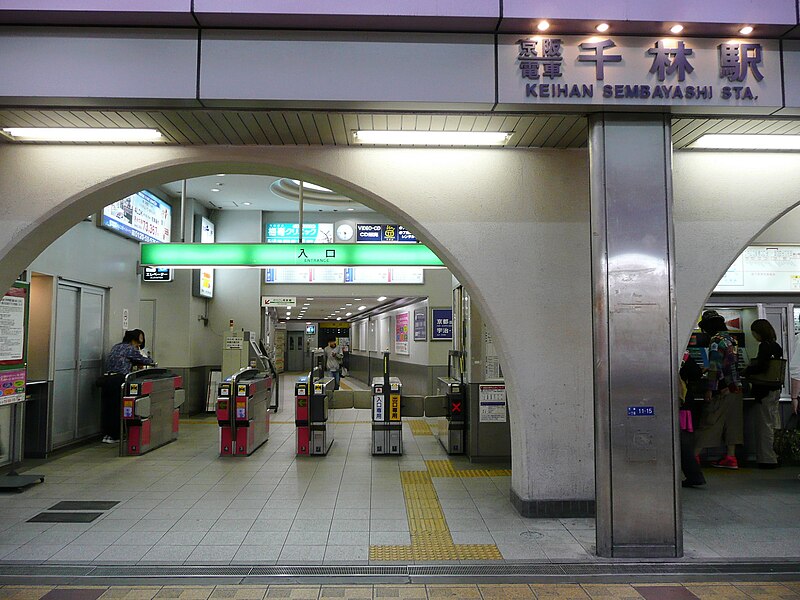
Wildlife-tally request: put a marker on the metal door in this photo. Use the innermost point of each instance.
(78, 363)
(294, 350)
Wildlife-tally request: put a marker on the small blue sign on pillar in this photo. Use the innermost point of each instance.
(641, 411)
(441, 323)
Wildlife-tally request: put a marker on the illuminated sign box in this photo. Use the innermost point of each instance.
(156, 274)
(142, 217)
(311, 255)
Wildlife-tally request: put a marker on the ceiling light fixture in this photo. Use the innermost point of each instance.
(246, 203)
(220, 174)
(361, 307)
(543, 26)
(603, 27)
(676, 29)
(214, 189)
(82, 134)
(382, 298)
(347, 314)
(722, 141)
(338, 318)
(746, 30)
(431, 138)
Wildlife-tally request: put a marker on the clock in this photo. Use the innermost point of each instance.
(344, 232)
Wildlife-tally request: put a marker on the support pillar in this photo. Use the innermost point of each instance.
(635, 353)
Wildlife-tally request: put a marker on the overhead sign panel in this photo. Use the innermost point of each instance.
(288, 301)
(261, 255)
(740, 75)
(141, 216)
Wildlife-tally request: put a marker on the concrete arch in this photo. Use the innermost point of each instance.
(512, 225)
(723, 201)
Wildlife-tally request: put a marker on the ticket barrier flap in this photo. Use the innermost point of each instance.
(179, 399)
(142, 407)
(412, 406)
(435, 406)
(342, 399)
(362, 399)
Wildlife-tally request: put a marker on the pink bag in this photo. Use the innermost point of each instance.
(685, 419)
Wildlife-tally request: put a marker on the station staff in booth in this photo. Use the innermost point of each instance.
(722, 421)
(121, 360)
(333, 361)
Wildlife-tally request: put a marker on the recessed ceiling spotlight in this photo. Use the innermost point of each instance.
(338, 318)
(603, 27)
(357, 299)
(309, 298)
(543, 26)
(214, 189)
(361, 307)
(246, 203)
(349, 304)
(746, 30)
(351, 209)
(382, 298)
(676, 29)
(347, 314)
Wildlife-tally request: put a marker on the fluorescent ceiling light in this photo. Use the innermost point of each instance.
(311, 186)
(431, 138)
(723, 141)
(82, 134)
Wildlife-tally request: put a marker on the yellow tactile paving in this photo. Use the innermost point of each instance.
(430, 536)
(419, 427)
(444, 468)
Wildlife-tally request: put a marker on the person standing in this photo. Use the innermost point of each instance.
(333, 361)
(120, 361)
(767, 397)
(722, 421)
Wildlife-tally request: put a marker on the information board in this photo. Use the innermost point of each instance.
(764, 269)
(13, 340)
(441, 323)
(142, 217)
(421, 325)
(492, 402)
(357, 275)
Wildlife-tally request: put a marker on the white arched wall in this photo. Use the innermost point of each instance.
(513, 226)
(723, 201)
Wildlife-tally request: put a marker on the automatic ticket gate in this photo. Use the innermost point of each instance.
(243, 404)
(314, 421)
(451, 403)
(387, 427)
(151, 399)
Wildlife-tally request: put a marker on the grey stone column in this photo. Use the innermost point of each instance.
(635, 353)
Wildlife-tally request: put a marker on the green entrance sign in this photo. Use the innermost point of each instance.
(283, 255)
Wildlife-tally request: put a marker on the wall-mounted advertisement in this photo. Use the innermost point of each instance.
(401, 332)
(763, 269)
(421, 325)
(142, 217)
(383, 233)
(441, 323)
(203, 278)
(13, 355)
(289, 233)
(492, 402)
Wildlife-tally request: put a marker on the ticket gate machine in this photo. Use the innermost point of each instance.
(243, 404)
(151, 399)
(452, 430)
(314, 421)
(387, 427)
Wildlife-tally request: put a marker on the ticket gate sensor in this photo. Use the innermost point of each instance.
(243, 404)
(387, 427)
(313, 395)
(151, 399)
(452, 431)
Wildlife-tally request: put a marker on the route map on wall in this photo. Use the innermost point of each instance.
(763, 269)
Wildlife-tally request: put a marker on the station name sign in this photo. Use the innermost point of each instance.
(640, 71)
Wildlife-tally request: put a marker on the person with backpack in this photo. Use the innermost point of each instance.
(722, 421)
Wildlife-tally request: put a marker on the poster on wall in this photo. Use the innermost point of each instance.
(492, 402)
(142, 217)
(441, 324)
(401, 333)
(421, 325)
(13, 325)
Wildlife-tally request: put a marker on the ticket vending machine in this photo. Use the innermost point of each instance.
(243, 404)
(451, 431)
(387, 427)
(151, 399)
(314, 421)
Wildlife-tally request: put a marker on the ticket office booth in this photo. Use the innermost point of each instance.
(243, 405)
(151, 401)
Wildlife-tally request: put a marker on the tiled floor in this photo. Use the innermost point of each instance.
(672, 591)
(183, 504)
